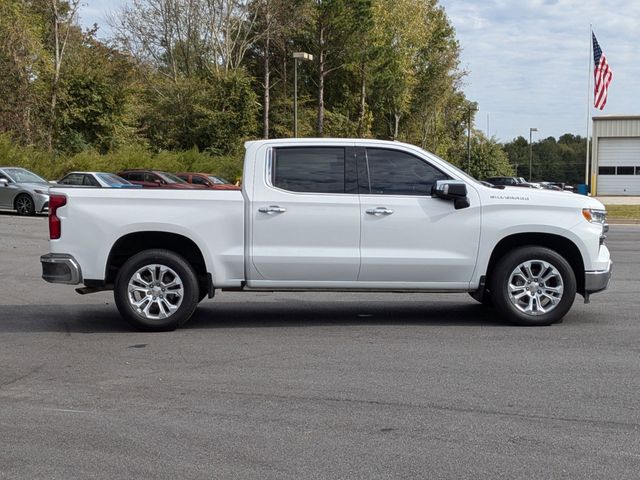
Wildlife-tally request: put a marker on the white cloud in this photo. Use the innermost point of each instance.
(528, 60)
(97, 11)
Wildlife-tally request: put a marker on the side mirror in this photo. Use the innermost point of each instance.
(455, 190)
(4, 182)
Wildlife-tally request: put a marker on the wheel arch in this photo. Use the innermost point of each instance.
(562, 245)
(132, 243)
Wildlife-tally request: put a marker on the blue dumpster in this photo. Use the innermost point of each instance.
(583, 189)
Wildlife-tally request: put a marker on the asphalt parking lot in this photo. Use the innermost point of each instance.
(291, 386)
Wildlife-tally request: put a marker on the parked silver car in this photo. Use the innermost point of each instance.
(23, 191)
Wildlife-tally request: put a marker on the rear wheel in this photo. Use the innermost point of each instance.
(24, 205)
(156, 290)
(533, 286)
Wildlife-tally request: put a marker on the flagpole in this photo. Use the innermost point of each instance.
(590, 73)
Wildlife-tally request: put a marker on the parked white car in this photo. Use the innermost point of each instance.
(331, 215)
(23, 191)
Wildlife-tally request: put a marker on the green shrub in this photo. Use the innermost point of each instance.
(54, 167)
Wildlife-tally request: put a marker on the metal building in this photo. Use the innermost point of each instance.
(616, 155)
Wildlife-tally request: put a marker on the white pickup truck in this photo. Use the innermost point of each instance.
(330, 215)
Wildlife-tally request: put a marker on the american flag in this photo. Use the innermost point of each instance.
(602, 75)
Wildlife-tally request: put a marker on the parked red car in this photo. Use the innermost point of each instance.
(208, 181)
(156, 179)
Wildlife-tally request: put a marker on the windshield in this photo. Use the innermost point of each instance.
(20, 175)
(217, 180)
(110, 178)
(451, 165)
(171, 178)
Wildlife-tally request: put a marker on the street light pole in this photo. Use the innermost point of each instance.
(297, 56)
(531, 130)
(471, 107)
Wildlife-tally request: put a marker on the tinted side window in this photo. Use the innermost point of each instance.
(392, 172)
(150, 177)
(89, 180)
(72, 179)
(197, 180)
(309, 169)
(625, 171)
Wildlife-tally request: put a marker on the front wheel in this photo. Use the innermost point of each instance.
(156, 290)
(24, 205)
(533, 286)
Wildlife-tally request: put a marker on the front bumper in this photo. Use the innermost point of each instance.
(597, 281)
(60, 268)
(41, 202)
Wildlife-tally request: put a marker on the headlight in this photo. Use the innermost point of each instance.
(595, 215)
(42, 192)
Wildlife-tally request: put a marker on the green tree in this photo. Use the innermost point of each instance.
(334, 26)
(23, 62)
(518, 154)
(215, 113)
(561, 161)
(96, 107)
(488, 159)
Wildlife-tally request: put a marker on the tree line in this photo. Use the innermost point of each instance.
(561, 160)
(203, 76)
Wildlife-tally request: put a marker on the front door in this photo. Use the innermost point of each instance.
(408, 237)
(7, 191)
(305, 216)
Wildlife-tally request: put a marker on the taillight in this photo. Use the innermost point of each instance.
(55, 201)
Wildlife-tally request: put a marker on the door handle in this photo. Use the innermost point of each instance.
(379, 211)
(271, 209)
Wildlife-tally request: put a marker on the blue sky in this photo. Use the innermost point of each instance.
(527, 59)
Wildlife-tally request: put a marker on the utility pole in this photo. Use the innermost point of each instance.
(475, 109)
(531, 130)
(297, 56)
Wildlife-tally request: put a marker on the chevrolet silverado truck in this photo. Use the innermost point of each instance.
(330, 215)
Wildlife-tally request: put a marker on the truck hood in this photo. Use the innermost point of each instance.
(538, 197)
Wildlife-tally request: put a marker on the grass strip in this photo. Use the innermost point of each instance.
(623, 211)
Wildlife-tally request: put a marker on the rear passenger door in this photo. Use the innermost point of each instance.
(305, 218)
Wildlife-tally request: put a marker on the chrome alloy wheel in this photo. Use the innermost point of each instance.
(155, 291)
(535, 287)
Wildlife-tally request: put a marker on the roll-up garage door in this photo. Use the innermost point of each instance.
(618, 166)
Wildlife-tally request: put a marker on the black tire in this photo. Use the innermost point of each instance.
(157, 291)
(542, 302)
(24, 205)
(202, 294)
